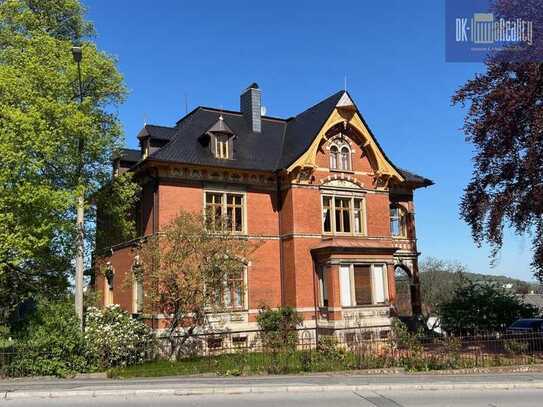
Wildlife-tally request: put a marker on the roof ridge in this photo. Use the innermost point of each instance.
(318, 103)
(159, 125)
(214, 109)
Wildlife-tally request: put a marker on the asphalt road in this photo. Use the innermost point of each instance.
(416, 398)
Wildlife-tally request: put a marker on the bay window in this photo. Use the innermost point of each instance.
(364, 284)
(343, 215)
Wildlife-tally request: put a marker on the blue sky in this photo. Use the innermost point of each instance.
(392, 52)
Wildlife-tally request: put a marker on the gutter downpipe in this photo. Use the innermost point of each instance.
(280, 225)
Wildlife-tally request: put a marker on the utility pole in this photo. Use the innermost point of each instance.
(77, 53)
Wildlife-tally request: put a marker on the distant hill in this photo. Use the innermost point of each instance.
(517, 286)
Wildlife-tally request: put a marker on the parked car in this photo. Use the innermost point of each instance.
(526, 326)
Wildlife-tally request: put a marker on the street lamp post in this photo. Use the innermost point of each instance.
(77, 53)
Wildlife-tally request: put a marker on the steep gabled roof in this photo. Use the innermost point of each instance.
(280, 143)
(302, 129)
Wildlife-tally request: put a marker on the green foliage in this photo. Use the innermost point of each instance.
(438, 280)
(405, 339)
(515, 347)
(115, 338)
(115, 202)
(41, 124)
(50, 343)
(187, 269)
(479, 307)
(279, 327)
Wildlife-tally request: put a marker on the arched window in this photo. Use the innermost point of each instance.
(398, 221)
(345, 158)
(334, 155)
(340, 157)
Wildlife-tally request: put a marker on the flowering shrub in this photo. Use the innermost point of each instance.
(114, 338)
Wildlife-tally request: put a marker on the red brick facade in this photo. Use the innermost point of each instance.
(284, 210)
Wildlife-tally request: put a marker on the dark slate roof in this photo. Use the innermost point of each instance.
(128, 155)
(279, 144)
(302, 129)
(415, 179)
(256, 151)
(157, 132)
(220, 127)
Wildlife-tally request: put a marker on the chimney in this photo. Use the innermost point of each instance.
(250, 106)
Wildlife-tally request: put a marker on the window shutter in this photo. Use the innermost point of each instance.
(378, 283)
(345, 285)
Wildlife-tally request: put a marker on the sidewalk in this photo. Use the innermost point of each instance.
(84, 388)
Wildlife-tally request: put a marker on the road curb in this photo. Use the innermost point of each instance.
(225, 390)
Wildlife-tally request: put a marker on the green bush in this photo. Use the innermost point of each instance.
(116, 339)
(50, 343)
(477, 307)
(278, 327)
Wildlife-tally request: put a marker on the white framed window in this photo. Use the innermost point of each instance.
(363, 284)
(398, 221)
(334, 156)
(222, 148)
(345, 163)
(225, 211)
(343, 215)
(340, 156)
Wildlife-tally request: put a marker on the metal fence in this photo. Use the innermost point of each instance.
(364, 348)
(311, 350)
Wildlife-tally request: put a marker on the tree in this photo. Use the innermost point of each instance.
(477, 307)
(505, 125)
(189, 271)
(438, 281)
(41, 124)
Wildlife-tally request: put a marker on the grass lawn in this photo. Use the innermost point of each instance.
(236, 364)
(255, 363)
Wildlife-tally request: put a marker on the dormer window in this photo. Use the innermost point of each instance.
(221, 140)
(340, 157)
(222, 147)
